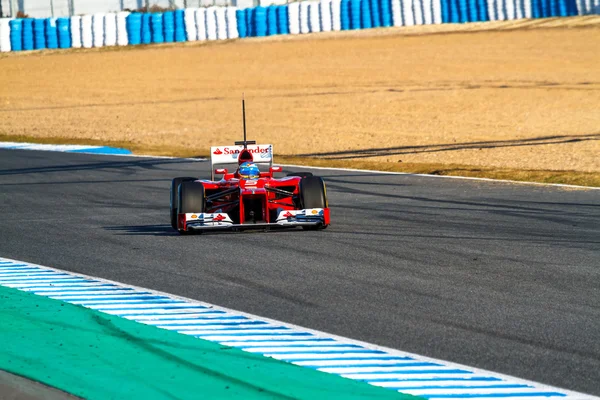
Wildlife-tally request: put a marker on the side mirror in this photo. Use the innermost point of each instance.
(221, 171)
(275, 169)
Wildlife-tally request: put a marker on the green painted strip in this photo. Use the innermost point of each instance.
(99, 356)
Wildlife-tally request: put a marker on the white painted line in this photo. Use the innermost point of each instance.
(32, 146)
(376, 365)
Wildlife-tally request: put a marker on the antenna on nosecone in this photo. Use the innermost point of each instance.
(245, 142)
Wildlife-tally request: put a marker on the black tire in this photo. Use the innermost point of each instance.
(174, 196)
(190, 199)
(313, 195)
(301, 174)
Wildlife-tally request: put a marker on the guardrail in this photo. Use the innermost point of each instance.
(220, 23)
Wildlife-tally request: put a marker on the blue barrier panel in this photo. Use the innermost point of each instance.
(51, 34)
(345, 14)
(445, 11)
(134, 28)
(260, 21)
(272, 20)
(180, 35)
(355, 6)
(63, 26)
(250, 26)
(39, 36)
(146, 28)
(374, 6)
(544, 9)
(16, 34)
(282, 20)
(28, 42)
(463, 10)
(169, 26)
(536, 9)
(453, 14)
(572, 8)
(156, 24)
(365, 14)
(240, 16)
(386, 13)
(483, 10)
(472, 11)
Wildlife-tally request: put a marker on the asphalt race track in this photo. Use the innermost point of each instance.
(498, 276)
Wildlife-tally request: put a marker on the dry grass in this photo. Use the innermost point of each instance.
(491, 100)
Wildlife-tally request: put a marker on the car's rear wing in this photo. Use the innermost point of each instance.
(261, 154)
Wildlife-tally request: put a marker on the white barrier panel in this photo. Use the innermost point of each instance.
(201, 23)
(437, 11)
(419, 10)
(336, 20)
(87, 37)
(304, 17)
(314, 17)
(110, 29)
(294, 18)
(396, 13)
(407, 12)
(98, 29)
(325, 11)
(122, 36)
(511, 12)
(527, 8)
(232, 30)
(5, 46)
(221, 19)
(190, 24)
(427, 14)
(75, 31)
(211, 23)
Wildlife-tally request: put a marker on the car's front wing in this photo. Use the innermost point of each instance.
(286, 218)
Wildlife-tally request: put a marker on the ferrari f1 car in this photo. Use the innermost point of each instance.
(247, 198)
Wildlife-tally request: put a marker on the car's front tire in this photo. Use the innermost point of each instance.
(174, 197)
(313, 195)
(190, 199)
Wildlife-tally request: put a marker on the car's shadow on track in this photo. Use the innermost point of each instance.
(166, 230)
(145, 230)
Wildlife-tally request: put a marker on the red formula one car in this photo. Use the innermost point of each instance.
(248, 198)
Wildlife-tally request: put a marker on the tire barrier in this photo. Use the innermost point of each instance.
(98, 29)
(201, 23)
(314, 18)
(282, 20)
(232, 30)
(63, 26)
(294, 18)
(122, 37)
(156, 28)
(168, 22)
(325, 11)
(134, 28)
(51, 33)
(191, 32)
(219, 23)
(110, 29)
(272, 20)
(180, 34)
(75, 23)
(304, 17)
(221, 18)
(15, 34)
(39, 34)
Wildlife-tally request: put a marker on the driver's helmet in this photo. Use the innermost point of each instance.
(248, 170)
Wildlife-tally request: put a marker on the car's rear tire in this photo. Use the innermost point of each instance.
(301, 174)
(174, 197)
(313, 195)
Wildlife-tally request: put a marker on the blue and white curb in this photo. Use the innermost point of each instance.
(379, 366)
(65, 148)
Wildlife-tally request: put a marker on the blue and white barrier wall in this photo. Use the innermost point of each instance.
(220, 23)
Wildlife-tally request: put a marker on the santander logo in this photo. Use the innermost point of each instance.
(217, 151)
(258, 150)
